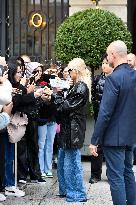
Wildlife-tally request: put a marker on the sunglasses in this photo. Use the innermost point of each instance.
(72, 69)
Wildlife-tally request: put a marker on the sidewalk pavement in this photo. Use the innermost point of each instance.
(46, 194)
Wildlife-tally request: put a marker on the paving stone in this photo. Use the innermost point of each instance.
(47, 194)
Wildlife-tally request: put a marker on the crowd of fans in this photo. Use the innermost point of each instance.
(38, 106)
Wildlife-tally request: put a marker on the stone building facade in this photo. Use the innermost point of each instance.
(119, 7)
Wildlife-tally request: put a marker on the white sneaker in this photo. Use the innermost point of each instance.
(43, 175)
(22, 181)
(49, 174)
(2, 197)
(13, 191)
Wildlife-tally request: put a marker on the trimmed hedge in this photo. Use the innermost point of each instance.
(87, 34)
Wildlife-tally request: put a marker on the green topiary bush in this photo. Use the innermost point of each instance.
(87, 34)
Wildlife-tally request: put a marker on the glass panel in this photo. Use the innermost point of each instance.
(16, 28)
(23, 26)
(66, 8)
(58, 12)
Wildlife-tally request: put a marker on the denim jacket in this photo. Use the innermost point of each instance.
(4, 120)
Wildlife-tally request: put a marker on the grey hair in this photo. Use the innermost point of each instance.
(120, 47)
(132, 55)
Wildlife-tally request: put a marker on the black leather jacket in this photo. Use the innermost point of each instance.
(97, 92)
(72, 112)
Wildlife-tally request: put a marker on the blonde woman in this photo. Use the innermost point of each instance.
(72, 112)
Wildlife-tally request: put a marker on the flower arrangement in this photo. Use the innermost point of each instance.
(43, 84)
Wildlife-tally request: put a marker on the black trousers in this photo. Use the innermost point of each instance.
(96, 164)
(2, 160)
(28, 162)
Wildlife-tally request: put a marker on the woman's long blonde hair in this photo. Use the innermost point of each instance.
(83, 73)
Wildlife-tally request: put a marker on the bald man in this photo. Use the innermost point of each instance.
(131, 60)
(115, 128)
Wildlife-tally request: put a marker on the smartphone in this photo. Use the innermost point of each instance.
(1, 70)
(32, 79)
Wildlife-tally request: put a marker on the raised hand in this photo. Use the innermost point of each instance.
(8, 108)
(30, 88)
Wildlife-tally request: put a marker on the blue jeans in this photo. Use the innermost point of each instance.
(70, 175)
(120, 175)
(9, 179)
(46, 134)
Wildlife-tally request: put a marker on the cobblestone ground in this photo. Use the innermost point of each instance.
(39, 194)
